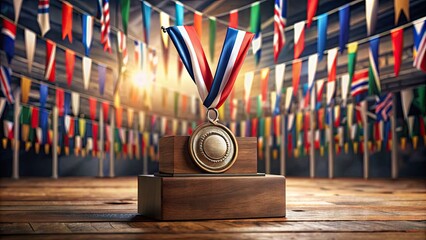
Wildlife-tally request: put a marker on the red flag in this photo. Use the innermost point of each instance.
(118, 116)
(332, 64)
(67, 21)
(312, 9)
(50, 61)
(254, 127)
(69, 62)
(105, 109)
(321, 112)
(289, 144)
(92, 106)
(233, 18)
(60, 101)
(198, 24)
(297, 68)
(34, 117)
(397, 43)
(95, 136)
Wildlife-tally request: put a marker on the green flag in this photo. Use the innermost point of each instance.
(125, 7)
(25, 115)
(419, 100)
(255, 27)
(259, 106)
(212, 37)
(352, 50)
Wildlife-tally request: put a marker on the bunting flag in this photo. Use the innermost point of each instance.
(67, 21)
(198, 23)
(319, 87)
(420, 44)
(280, 21)
(69, 65)
(255, 27)
(165, 21)
(30, 43)
(67, 103)
(259, 110)
(146, 19)
(102, 78)
(233, 19)
(397, 44)
(60, 101)
(374, 87)
(312, 69)
(297, 69)
(75, 103)
(8, 38)
(5, 78)
(87, 33)
(352, 50)
(105, 110)
(25, 89)
(212, 37)
(299, 38)
(344, 88)
(118, 116)
(43, 16)
(92, 108)
(43, 95)
(359, 83)
(248, 82)
(371, 7)
(213, 91)
(105, 27)
(141, 119)
(322, 34)
(344, 21)
(332, 64)
(288, 99)
(331, 90)
(264, 78)
(312, 9)
(125, 7)
(17, 4)
(122, 48)
(279, 79)
(130, 114)
(419, 101)
(401, 6)
(49, 73)
(139, 51)
(87, 69)
(2, 105)
(321, 118)
(406, 100)
(384, 107)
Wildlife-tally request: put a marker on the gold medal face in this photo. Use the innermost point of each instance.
(213, 147)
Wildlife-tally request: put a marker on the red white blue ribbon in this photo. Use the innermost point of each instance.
(213, 91)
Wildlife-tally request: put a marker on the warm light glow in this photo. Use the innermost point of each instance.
(140, 80)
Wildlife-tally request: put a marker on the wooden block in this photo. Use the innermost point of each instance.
(175, 158)
(194, 198)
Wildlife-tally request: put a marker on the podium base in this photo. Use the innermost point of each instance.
(212, 197)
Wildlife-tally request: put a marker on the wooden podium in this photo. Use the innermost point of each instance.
(182, 191)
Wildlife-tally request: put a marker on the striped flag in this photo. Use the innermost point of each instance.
(359, 83)
(420, 44)
(374, 71)
(43, 16)
(299, 38)
(332, 64)
(87, 33)
(105, 27)
(9, 34)
(384, 107)
(49, 73)
(5, 78)
(280, 20)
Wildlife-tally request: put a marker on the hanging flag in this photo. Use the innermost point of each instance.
(102, 78)
(420, 44)
(299, 38)
(212, 37)
(397, 44)
(312, 9)
(384, 107)
(2, 105)
(331, 90)
(198, 23)
(122, 48)
(419, 101)
(319, 87)
(87, 33)
(312, 69)
(87, 69)
(179, 13)
(352, 50)
(297, 69)
(67, 103)
(280, 20)
(25, 89)
(359, 83)
(332, 64)
(43, 16)
(119, 116)
(406, 100)
(105, 110)
(125, 7)
(279, 79)
(371, 7)
(264, 78)
(5, 78)
(43, 95)
(288, 99)
(255, 28)
(105, 27)
(75, 103)
(69, 65)
(345, 88)
(49, 73)
(374, 73)
(233, 19)
(130, 114)
(67, 21)
(92, 108)
(401, 6)
(344, 21)
(139, 50)
(17, 4)
(322, 34)
(9, 34)
(146, 20)
(165, 21)
(248, 82)
(30, 43)
(259, 109)
(60, 101)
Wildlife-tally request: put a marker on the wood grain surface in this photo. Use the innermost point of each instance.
(94, 208)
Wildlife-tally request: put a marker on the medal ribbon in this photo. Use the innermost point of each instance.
(213, 91)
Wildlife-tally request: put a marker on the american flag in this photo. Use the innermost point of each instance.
(105, 28)
(384, 107)
(280, 19)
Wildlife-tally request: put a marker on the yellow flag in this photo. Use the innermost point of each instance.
(401, 6)
(25, 89)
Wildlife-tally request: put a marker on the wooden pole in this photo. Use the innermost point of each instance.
(17, 108)
(111, 149)
(311, 148)
(55, 143)
(365, 129)
(282, 155)
(330, 145)
(101, 143)
(394, 153)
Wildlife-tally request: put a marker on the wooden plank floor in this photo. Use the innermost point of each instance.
(93, 208)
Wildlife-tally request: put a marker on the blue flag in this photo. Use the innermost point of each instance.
(322, 34)
(146, 19)
(101, 76)
(44, 114)
(87, 33)
(9, 34)
(67, 103)
(344, 16)
(179, 14)
(43, 95)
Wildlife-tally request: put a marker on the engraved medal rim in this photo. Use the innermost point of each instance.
(198, 161)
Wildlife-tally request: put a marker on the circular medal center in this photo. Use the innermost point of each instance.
(215, 146)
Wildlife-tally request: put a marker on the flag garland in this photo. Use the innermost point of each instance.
(8, 38)
(374, 87)
(280, 21)
(43, 16)
(67, 21)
